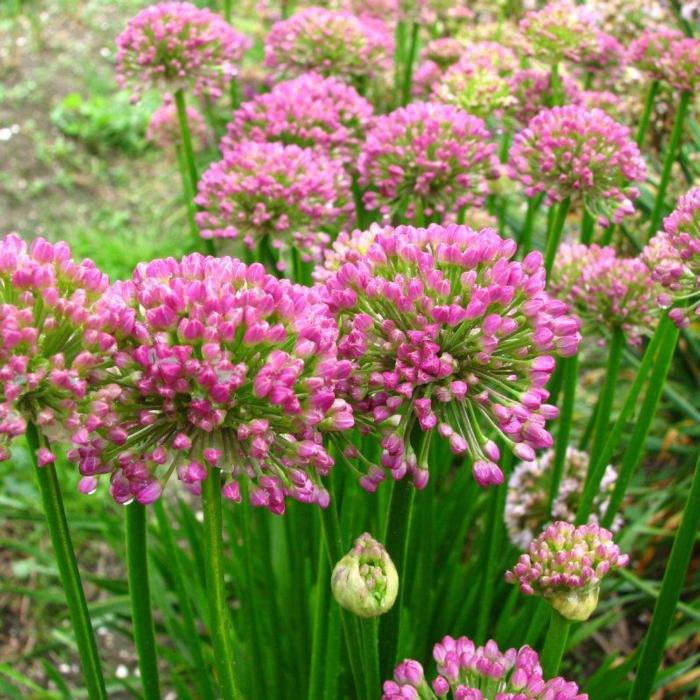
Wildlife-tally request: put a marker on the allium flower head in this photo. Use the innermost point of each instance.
(470, 672)
(566, 564)
(560, 30)
(328, 42)
(478, 82)
(527, 511)
(220, 367)
(310, 111)
(164, 128)
(669, 56)
(610, 103)
(446, 331)
(606, 291)
(426, 157)
(584, 154)
(673, 256)
(46, 350)
(178, 45)
(437, 56)
(268, 189)
(365, 580)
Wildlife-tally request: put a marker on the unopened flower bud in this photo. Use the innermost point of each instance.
(365, 580)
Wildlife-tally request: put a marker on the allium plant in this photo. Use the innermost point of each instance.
(560, 30)
(437, 56)
(446, 332)
(284, 194)
(176, 45)
(466, 671)
(669, 56)
(527, 503)
(573, 152)
(365, 580)
(426, 160)
(673, 256)
(46, 303)
(566, 564)
(605, 290)
(221, 368)
(478, 82)
(328, 42)
(164, 128)
(310, 111)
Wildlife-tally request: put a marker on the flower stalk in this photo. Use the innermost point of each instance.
(554, 235)
(68, 569)
(555, 644)
(645, 119)
(140, 597)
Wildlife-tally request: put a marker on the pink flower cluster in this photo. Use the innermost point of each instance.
(220, 366)
(606, 291)
(286, 193)
(575, 152)
(466, 671)
(566, 30)
(164, 128)
(426, 159)
(669, 56)
(179, 45)
(328, 42)
(565, 559)
(46, 346)
(478, 82)
(445, 331)
(673, 256)
(309, 111)
(437, 56)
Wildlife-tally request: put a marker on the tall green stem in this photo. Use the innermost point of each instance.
(228, 9)
(220, 625)
(188, 155)
(68, 569)
(351, 629)
(370, 645)
(557, 91)
(554, 644)
(398, 527)
(570, 370)
(600, 429)
(554, 235)
(587, 227)
(320, 630)
(188, 195)
(646, 114)
(637, 445)
(140, 596)
(671, 587)
(525, 241)
(408, 67)
(671, 153)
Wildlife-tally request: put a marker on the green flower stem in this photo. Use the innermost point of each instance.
(607, 236)
(220, 625)
(398, 527)
(491, 549)
(554, 644)
(180, 581)
(188, 195)
(646, 114)
(228, 9)
(351, 628)
(320, 627)
(188, 156)
(570, 379)
(370, 645)
(140, 596)
(587, 227)
(67, 565)
(557, 90)
(400, 48)
(637, 444)
(671, 152)
(408, 67)
(607, 394)
(554, 236)
(671, 587)
(596, 469)
(360, 213)
(525, 240)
